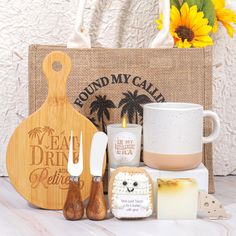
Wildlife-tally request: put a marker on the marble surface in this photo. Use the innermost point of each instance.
(112, 23)
(18, 218)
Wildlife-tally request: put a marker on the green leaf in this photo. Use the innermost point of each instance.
(175, 3)
(209, 11)
(206, 6)
(199, 3)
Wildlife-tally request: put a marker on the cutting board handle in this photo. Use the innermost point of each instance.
(57, 67)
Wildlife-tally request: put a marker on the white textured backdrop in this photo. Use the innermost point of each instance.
(113, 23)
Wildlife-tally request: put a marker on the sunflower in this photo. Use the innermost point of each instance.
(188, 27)
(225, 16)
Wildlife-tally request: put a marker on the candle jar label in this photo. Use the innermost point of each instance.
(124, 147)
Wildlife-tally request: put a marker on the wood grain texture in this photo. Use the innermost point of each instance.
(97, 208)
(73, 208)
(38, 150)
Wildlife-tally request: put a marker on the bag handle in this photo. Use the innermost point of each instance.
(164, 38)
(80, 14)
(80, 38)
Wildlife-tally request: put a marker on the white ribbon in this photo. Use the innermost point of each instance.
(164, 38)
(80, 38)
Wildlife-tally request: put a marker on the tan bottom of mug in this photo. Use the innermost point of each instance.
(172, 162)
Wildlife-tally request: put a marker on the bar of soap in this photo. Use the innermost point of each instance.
(177, 199)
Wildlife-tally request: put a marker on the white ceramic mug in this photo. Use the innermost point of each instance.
(173, 135)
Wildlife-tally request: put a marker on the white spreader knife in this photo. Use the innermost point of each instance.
(97, 209)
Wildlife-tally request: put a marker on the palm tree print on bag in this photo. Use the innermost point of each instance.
(102, 105)
(132, 105)
(40, 133)
(93, 120)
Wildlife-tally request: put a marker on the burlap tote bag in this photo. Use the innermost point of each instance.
(105, 84)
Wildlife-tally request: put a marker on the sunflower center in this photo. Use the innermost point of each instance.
(185, 33)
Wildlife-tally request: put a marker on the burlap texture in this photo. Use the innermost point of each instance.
(104, 84)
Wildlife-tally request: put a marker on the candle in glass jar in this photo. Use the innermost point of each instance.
(124, 142)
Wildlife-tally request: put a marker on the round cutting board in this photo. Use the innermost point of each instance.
(38, 149)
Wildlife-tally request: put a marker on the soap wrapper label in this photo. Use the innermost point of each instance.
(132, 206)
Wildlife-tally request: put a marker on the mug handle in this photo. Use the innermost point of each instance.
(216, 126)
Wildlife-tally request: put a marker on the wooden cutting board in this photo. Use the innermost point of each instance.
(38, 149)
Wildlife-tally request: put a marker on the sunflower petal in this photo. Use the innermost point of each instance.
(159, 23)
(204, 30)
(175, 16)
(206, 39)
(229, 28)
(215, 27)
(225, 16)
(201, 44)
(185, 14)
(219, 4)
(185, 44)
